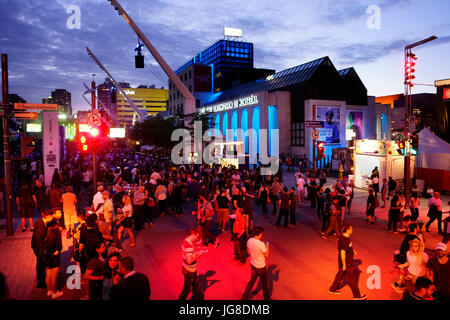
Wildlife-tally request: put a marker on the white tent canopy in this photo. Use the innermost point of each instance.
(434, 153)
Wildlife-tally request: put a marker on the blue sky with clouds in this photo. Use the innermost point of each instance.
(44, 54)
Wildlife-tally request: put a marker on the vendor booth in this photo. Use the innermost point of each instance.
(369, 154)
(433, 161)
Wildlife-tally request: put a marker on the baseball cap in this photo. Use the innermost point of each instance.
(441, 246)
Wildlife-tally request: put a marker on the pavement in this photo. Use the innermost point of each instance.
(301, 265)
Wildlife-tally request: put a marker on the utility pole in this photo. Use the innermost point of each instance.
(94, 152)
(6, 149)
(409, 70)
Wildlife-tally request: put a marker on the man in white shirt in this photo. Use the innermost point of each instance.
(300, 188)
(258, 252)
(97, 202)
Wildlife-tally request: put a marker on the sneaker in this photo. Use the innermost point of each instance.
(334, 292)
(324, 237)
(49, 293)
(363, 297)
(57, 294)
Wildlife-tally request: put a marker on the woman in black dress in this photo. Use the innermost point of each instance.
(53, 247)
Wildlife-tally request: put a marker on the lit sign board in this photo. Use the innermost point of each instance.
(446, 94)
(84, 127)
(117, 132)
(233, 104)
(370, 147)
(128, 92)
(232, 32)
(34, 127)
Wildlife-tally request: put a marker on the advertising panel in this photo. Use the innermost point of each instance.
(354, 129)
(331, 116)
(50, 144)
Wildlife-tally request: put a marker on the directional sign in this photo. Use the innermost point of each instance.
(26, 115)
(94, 119)
(315, 134)
(314, 124)
(36, 106)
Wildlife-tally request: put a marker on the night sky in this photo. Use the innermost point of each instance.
(44, 54)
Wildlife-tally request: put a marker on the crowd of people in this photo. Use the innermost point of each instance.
(136, 189)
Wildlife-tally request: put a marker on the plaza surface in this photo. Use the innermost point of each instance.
(301, 265)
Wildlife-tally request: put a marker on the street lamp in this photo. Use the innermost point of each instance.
(410, 59)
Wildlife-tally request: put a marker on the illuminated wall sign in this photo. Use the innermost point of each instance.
(233, 104)
(84, 127)
(34, 127)
(117, 132)
(232, 32)
(446, 94)
(370, 147)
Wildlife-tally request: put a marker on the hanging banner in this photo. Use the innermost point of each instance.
(51, 153)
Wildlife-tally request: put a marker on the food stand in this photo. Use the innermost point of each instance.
(369, 154)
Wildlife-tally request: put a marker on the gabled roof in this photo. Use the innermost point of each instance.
(299, 74)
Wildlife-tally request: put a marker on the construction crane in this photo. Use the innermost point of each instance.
(189, 99)
(140, 113)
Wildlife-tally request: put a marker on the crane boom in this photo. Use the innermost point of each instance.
(141, 114)
(189, 99)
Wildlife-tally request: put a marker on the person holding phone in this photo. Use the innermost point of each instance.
(258, 252)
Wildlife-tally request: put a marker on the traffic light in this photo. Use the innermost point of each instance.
(409, 68)
(320, 150)
(139, 58)
(26, 145)
(414, 144)
(84, 142)
(401, 148)
(95, 137)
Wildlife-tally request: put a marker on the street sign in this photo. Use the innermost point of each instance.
(315, 134)
(36, 106)
(315, 124)
(94, 119)
(26, 115)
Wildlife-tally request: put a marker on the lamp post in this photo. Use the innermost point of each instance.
(409, 70)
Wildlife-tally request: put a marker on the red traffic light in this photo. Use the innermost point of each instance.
(320, 150)
(94, 132)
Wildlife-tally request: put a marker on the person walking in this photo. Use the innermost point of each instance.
(52, 257)
(394, 212)
(275, 191)
(414, 206)
(25, 205)
(126, 222)
(346, 252)
(263, 197)
(239, 235)
(435, 212)
(370, 207)
(37, 244)
(292, 208)
(375, 185)
(258, 252)
(334, 210)
(223, 214)
(95, 271)
(69, 201)
(40, 196)
(384, 192)
(392, 185)
(205, 214)
(283, 203)
(191, 254)
(138, 208)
